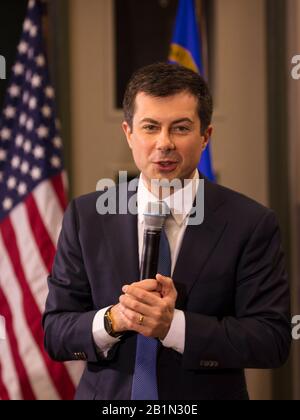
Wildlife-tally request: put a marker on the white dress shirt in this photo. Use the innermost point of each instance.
(180, 204)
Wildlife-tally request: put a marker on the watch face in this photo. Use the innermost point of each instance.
(107, 324)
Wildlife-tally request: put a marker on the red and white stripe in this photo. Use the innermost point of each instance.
(28, 237)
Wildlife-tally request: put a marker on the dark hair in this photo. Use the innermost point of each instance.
(164, 79)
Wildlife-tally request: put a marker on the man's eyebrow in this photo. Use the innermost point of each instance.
(149, 120)
(180, 120)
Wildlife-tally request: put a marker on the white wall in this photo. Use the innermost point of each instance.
(240, 139)
(99, 148)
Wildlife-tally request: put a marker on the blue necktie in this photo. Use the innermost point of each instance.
(144, 383)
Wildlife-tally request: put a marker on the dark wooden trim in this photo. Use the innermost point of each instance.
(11, 21)
(59, 62)
(278, 152)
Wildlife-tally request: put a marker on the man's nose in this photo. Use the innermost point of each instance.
(164, 141)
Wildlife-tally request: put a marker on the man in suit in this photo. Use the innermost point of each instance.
(224, 304)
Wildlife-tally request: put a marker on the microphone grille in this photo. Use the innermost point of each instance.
(155, 214)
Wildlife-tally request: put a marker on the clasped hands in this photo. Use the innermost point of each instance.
(146, 307)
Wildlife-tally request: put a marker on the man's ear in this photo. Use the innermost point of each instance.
(206, 136)
(128, 133)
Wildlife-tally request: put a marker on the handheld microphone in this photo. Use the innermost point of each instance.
(154, 216)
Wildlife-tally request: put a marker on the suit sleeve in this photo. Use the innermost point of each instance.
(259, 335)
(69, 313)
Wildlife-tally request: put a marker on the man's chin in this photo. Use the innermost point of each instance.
(166, 180)
(162, 178)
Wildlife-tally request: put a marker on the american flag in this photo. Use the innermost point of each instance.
(32, 201)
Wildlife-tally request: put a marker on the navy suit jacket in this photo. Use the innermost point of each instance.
(231, 283)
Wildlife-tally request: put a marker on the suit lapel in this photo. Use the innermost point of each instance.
(122, 240)
(198, 244)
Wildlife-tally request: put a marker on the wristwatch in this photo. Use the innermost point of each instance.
(108, 324)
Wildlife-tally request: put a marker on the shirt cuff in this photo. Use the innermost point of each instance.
(102, 339)
(175, 338)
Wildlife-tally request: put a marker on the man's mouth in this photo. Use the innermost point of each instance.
(166, 165)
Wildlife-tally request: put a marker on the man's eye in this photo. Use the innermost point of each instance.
(149, 127)
(181, 129)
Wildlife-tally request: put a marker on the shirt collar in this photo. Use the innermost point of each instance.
(180, 202)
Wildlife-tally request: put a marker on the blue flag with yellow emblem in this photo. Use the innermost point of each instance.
(186, 49)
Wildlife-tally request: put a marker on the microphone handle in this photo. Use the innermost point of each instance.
(150, 254)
